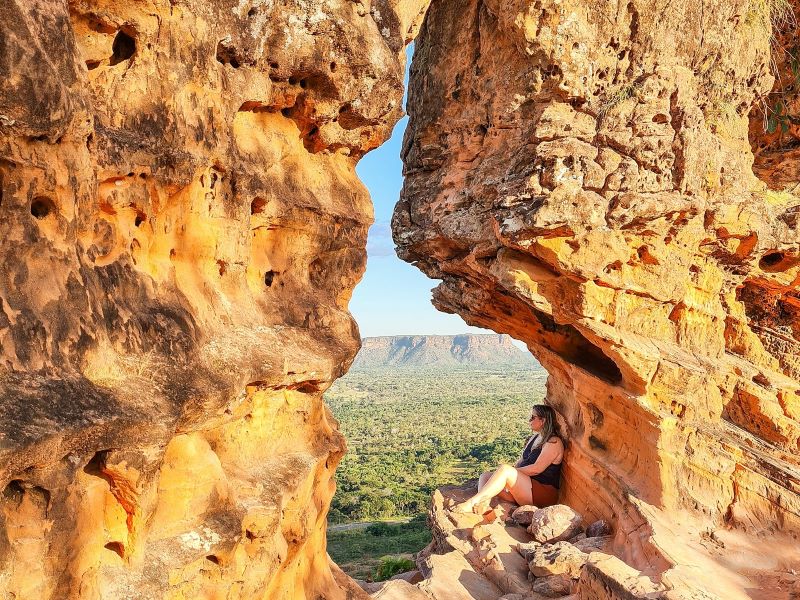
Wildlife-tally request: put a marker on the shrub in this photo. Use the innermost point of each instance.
(381, 530)
(391, 566)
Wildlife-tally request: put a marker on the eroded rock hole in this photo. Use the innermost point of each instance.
(17, 489)
(14, 491)
(575, 348)
(123, 48)
(269, 278)
(308, 387)
(96, 465)
(140, 218)
(226, 55)
(349, 119)
(251, 106)
(774, 262)
(596, 443)
(42, 207)
(771, 259)
(213, 559)
(257, 206)
(116, 547)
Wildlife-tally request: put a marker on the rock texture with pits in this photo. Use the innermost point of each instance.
(579, 175)
(181, 228)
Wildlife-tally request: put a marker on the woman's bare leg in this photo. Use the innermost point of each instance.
(504, 495)
(506, 477)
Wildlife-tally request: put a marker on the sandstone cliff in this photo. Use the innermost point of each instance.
(441, 351)
(579, 175)
(181, 228)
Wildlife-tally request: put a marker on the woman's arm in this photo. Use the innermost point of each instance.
(550, 453)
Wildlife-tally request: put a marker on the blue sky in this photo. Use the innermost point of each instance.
(394, 298)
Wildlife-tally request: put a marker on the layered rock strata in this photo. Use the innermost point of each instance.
(579, 175)
(181, 227)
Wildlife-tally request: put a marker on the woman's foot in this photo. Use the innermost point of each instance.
(472, 507)
(465, 507)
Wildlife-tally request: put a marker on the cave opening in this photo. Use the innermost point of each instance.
(574, 347)
(117, 548)
(122, 48)
(42, 207)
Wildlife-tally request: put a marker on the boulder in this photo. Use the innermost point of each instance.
(554, 524)
(592, 544)
(606, 577)
(527, 549)
(554, 586)
(524, 514)
(598, 528)
(398, 589)
(409, 576)
(451, 577)
(556, 559)
(369, 586)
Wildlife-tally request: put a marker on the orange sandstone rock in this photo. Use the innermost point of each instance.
(579, 175)
(181, 228)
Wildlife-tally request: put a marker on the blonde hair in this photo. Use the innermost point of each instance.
(550, 426)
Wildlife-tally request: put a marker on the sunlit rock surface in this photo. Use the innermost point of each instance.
(181, 228)
(579, 175)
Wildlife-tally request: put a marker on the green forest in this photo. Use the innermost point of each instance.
(410, 431)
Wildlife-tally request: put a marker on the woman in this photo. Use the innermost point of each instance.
(535, 479)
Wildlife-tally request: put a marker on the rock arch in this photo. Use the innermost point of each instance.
(591, 161)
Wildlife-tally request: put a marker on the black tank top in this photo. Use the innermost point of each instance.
(551, 475)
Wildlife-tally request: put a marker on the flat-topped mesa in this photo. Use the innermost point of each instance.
(181, 228)
(437, 351)
(578, 175)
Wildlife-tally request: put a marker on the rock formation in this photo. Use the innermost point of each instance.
(579, 175)
(182, 228)
(491, 557)
(441, 351)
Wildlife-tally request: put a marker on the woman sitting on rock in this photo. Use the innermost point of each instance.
(535, 479)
